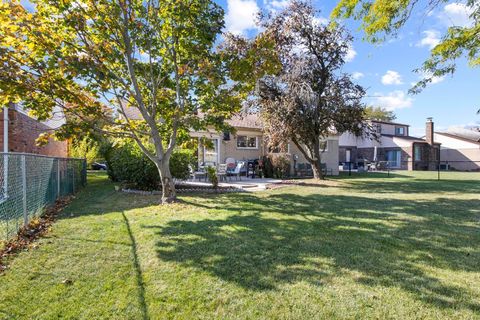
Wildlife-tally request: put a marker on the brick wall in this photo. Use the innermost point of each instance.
(23, 131)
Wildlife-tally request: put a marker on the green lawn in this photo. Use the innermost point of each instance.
(404, 247)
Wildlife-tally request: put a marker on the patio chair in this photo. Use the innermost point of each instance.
(238, 170)
(201, 173)
(222, 172)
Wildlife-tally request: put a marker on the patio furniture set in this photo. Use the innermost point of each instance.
(226, 171)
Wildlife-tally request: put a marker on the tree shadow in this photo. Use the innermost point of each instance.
(288, 238)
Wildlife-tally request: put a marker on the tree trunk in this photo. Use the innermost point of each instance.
(169, 194)
(317, 170)
(317, 162)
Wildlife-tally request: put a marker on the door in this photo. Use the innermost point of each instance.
(394, 158)
(211, 154)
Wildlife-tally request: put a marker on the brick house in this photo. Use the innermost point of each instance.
(394, 146)
(23, 130)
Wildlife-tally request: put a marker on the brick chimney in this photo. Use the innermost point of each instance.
(429, 131)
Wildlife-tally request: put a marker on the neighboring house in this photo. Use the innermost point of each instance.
(460, 149)
(18, 133)
(393, 145)
(248, 143)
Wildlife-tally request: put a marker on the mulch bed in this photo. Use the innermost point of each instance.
(27, 235)
(185, 188)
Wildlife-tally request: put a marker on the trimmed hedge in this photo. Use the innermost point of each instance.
(129, 165)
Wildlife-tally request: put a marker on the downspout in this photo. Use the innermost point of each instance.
(5, 153)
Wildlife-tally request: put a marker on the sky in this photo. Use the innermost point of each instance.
(386, 70)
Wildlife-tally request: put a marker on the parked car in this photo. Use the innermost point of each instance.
(99, 166)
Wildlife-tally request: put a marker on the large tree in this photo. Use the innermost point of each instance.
(379, 113)
(306, 97)
(382, 18)
(87, 57)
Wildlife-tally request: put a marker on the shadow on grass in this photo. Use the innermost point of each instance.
(379, 182)
(288, 238)
(138, 270)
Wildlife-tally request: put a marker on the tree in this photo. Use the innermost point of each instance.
(381, 18)
(379, 113)
(91, 56)
(306, 98)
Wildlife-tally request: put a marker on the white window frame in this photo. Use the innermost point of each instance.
(326, 147)
(397, 131)
(288, 150)
(247, 138)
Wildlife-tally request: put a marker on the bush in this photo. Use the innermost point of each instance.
(128, 164)
(86, 148)
(212, 176)
(281, 166)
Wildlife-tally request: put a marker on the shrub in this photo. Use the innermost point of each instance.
(128, 164)
(267, 167)
(212, 176)
(281, 166)
(180, 163)
(86, 148)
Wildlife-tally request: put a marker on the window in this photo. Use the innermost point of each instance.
(247, 142)
(400, 131)
(323, 145)
(378, 128)
(279, 149)
(417, 153)
(394, 158)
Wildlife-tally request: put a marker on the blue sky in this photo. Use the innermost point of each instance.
(386, 70)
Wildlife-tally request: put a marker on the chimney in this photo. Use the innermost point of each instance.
(429, 131)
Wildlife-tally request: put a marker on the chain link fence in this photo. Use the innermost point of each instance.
(431, 169)
(29, 183)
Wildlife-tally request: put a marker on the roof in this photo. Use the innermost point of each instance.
(251, 121)
(472, 137)
(389, 122)
(244, 120)
(408, 138)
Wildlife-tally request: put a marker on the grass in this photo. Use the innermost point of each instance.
(365, 246)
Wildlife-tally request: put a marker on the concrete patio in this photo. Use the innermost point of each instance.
(247, 184)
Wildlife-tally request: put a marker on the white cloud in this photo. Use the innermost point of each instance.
(391, 77)
(436, 79)
(357, 75)
(457, 14)
(431, 39)
(241, 15)
(351, 53)
(394, 100)
(275, 5)
(320, 21)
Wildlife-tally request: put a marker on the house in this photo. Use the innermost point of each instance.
(393, 146)
(460, 149)
(248, 143)
(18, 133)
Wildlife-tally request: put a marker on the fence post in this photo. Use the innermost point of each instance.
(58, 179)
(24, 190)
(73, 177)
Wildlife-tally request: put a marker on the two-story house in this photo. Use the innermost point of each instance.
(393, 146)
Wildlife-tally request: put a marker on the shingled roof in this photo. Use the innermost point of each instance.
(250, 121)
